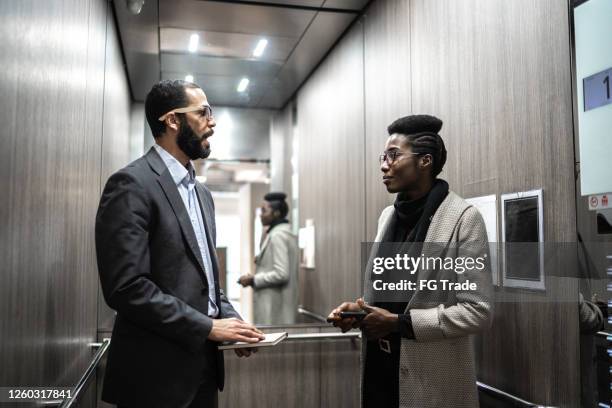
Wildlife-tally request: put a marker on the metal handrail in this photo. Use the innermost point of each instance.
(87, 375)
(312, 315)
(508, 397)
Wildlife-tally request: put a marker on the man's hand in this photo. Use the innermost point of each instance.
(245, 352)
(246, 280)
(234, 330)
(378, 322)
(348, 323)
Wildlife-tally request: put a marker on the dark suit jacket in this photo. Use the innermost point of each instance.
(152, 274)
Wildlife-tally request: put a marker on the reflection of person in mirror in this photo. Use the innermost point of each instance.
(418, 352)
(155, 242)
(276, 272)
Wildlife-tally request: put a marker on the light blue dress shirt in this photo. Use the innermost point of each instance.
(186, 182)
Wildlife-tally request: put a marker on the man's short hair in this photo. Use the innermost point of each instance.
(162, 98)
(421, 134)
(278, 203)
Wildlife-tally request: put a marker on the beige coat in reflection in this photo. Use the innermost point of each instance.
(276, 274)
(437, 369)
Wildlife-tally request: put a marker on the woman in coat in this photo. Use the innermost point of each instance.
(417, 350)
(276, 267)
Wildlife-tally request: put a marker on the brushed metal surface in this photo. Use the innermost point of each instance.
(235, 18)
(281, 151)
(115, 135)
(184, 64)
(325, 29)
(221, 90)
(53, 56)
(330, 130)
(140, 42)
(387, 93)
(226, 44)
(498, 74)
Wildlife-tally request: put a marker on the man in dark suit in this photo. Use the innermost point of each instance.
(155, 243)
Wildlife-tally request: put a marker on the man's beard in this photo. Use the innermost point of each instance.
(190, 143)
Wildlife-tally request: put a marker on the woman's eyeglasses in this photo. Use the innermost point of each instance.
(391, 155)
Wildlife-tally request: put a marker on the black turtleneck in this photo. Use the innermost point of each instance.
(277, 222)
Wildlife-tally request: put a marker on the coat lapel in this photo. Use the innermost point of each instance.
(440, 233)
(264, 245)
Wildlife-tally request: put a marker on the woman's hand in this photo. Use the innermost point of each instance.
(347, 323)
(378, 322)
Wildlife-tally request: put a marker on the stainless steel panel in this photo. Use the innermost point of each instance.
(330, 129)
(387, 92)
(115, 133)
(355, 5)
(503, 88)
(316, 42)
(241, 134)
(140, 41)
(52, 56)
(304, 3)
(221, 90)
(193, 64)
(227, 44)
(237, 18)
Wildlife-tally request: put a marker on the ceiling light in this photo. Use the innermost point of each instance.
(242, 86)
(193, 42)
(261, 46)
(189, 78)
(134, 6)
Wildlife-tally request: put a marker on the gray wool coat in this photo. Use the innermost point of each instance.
(437, 368)
(276, 274)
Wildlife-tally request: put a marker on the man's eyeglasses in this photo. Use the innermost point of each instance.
(391, 155)
(206, 111)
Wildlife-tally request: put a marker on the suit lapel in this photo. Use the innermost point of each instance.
(178, 206)
(176, 202)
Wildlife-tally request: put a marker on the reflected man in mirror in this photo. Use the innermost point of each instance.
(155, 244)
(276, 267)
(417, 349)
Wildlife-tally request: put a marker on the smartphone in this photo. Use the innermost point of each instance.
(345, 315)
(356, 315)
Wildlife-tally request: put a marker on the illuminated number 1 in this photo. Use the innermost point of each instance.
(607, 82)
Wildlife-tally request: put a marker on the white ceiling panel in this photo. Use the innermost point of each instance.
(223, 44)
(234, 17)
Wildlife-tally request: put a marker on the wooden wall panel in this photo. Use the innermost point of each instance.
(498, 74)
(331, 167)
(387, 84)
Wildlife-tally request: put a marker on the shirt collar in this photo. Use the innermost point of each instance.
(176, 169)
